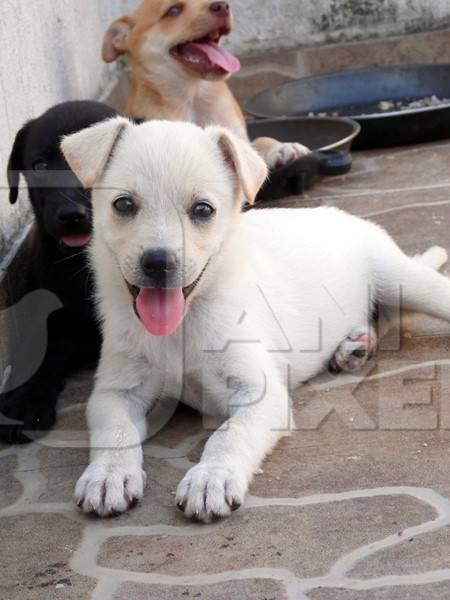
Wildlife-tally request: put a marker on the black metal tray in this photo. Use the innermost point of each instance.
(358, 93)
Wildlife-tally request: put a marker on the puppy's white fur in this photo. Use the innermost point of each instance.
(281, 290)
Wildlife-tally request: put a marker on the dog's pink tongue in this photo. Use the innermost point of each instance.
(161, 311)
(217, 55)
(76, 240)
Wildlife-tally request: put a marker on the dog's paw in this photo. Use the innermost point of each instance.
(283, 154)
(209, 492)
(354, 351)
(109, 489)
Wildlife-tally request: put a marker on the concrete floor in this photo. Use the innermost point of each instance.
(355, 504)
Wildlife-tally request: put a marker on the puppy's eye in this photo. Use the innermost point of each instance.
(40, 165)
(175, 10)
(202, 211)
(125, 206)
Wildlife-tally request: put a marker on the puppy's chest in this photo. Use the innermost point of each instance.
(209, 108)
(183, 364)
(173, 356)
(198, 113)
(197, 394)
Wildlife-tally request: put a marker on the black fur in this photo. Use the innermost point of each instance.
(61, 208)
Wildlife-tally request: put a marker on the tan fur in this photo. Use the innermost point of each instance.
(163, 88)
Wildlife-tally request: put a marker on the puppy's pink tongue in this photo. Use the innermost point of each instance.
(161, 311)
(216, 55)
(76, 240)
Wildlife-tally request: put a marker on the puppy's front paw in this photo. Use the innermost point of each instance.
(109, 488)
(209, 492)
(283, 154)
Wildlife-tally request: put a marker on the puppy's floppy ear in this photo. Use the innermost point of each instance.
(116, 38)
(88, 151)
(15, 163)
(243, 160)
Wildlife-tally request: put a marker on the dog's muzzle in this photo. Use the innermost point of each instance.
(187, 291)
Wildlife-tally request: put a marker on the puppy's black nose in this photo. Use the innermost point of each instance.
(158, 264)
(220, 9)
(71, 214)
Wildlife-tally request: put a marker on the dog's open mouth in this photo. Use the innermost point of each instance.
(161, 310)
(206, 56)
(78, 240)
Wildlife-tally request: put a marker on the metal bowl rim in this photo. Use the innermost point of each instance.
(355, 127)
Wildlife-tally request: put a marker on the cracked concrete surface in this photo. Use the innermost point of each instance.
(355, 504)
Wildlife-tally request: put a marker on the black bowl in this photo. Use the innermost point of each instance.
(329, 139)
(324, 134)
(358, 93)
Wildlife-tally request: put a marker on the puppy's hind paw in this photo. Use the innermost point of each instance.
(209, 492)
(354, 351)
(283, 154)
(109, 489)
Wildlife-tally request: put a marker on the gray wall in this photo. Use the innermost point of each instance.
(50, 51)
(267, 24)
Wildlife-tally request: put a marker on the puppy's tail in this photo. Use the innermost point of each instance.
(434, 258)
(412, 283)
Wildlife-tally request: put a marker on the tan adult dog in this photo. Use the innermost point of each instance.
(180, 69)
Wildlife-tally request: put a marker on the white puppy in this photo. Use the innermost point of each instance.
(228, 310)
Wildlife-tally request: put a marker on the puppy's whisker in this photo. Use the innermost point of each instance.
(84, 194)
(69, 257)
(65, 196)
(84, 268)
(80, 192)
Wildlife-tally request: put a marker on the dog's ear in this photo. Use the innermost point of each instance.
(88, 151)
(116, 39)
(244, 161)
(15, 163)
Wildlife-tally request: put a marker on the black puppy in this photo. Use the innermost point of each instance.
(56, 263)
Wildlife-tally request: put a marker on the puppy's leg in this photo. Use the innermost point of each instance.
(277, 154)
(260, 413)
(114, 480)
(29, 412)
